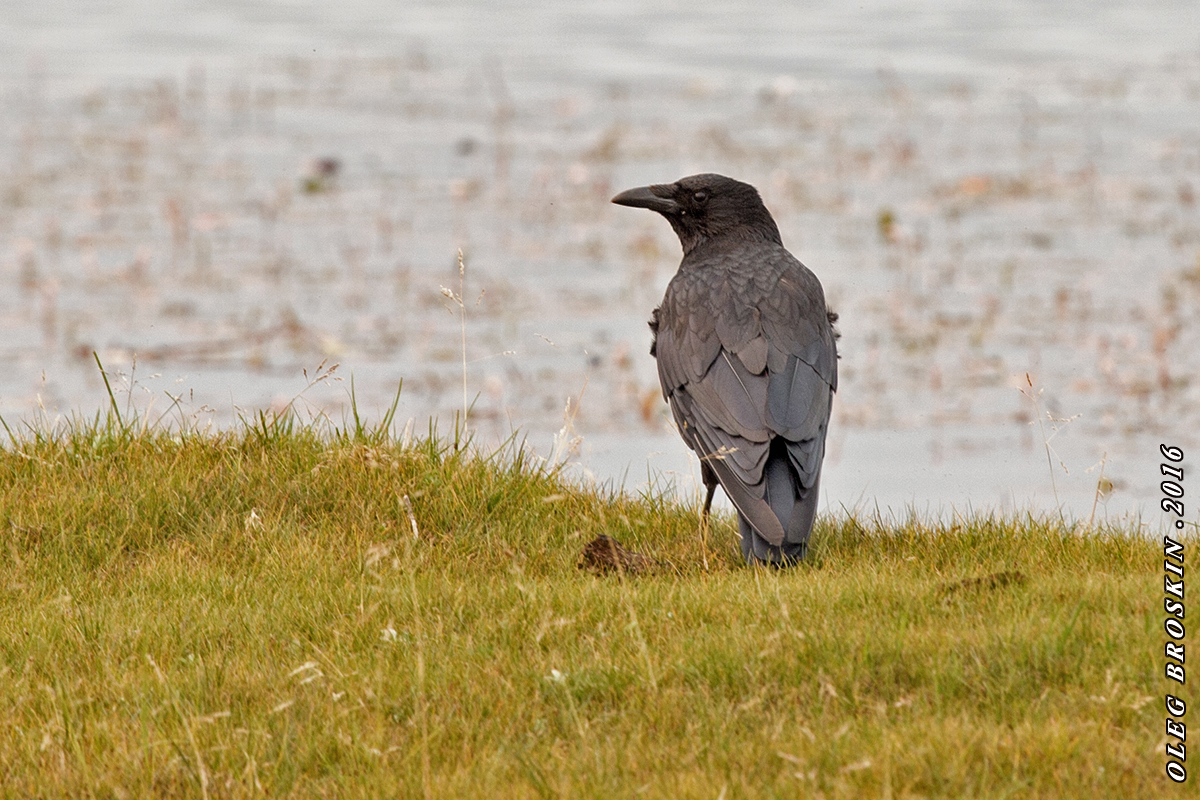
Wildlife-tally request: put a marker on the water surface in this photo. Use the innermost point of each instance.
(1000, 202)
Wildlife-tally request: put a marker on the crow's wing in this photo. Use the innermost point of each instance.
(745, 354)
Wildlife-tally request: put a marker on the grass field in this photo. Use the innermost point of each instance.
(244, 613)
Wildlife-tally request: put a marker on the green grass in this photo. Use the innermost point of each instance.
(248, 612)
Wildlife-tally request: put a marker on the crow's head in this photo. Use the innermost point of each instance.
(707, 206)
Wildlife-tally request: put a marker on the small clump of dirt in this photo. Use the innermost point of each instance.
(605, 554)
(996, 580)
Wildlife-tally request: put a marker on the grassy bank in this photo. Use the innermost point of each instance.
(225, 615)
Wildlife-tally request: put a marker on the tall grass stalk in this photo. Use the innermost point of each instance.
(457, 297)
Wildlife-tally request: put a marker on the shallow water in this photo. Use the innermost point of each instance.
(984, 198)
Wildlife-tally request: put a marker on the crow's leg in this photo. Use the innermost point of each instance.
(710, 483)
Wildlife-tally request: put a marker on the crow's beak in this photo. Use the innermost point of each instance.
(656, 198)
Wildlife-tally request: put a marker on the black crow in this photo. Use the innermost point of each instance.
(747, 359)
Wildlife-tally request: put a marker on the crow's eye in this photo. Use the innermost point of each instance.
(701, 197)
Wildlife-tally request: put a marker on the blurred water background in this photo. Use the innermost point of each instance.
(220, 197)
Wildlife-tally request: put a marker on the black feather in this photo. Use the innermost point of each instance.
(653, 323)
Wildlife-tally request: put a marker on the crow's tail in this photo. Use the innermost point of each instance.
(793, 505)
